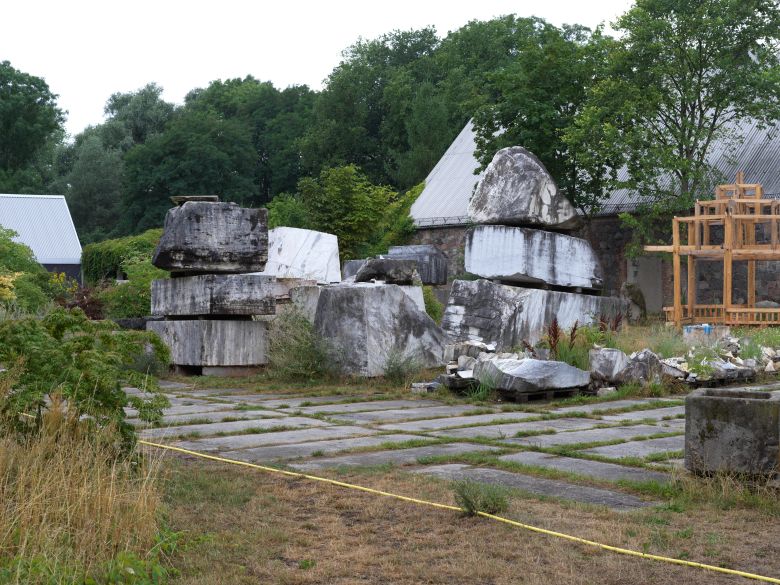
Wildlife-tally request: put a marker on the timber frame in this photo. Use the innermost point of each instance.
(749, 225)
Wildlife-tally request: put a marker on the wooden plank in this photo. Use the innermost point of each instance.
(676, 275)
(728, 242)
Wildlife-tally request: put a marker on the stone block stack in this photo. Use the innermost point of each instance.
(533, 270)
(211, 302)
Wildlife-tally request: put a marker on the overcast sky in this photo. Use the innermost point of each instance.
(87, 50)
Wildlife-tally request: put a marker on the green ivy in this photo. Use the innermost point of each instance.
(105, 260)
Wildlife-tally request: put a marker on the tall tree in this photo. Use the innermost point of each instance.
(134, 117)
(684, 74)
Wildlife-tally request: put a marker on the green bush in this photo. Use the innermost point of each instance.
(105, 260)
(474, 497)
(433, 307)
(132, 298)
(296, 351)
(29, 288)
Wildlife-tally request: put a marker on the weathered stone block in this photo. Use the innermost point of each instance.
(526, 255)
(213, 237)
(431, 263)
(299, 253)
(214, 294)
(529, 375)
(517, 190)
(606, 364)
(481, 310)
(389, 271)
(368, 324)
(351, 267)
(214, 342)
(732, 430)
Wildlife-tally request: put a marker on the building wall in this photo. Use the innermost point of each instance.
(451, 241)
(70, 270)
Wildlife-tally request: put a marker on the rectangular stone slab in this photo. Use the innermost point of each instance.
(537, 485)
(457, 421)
(404, 414)
(181, 419)
(249, 441)
(597, 469)
(397, 457)
(640, 448)
(214, 294)
(300, 253)
(364, 406)
(296, 450)
(590, 436)
(214, 342)
(231, 427)
(508, 431)
(655, 413)
(525, 255)
(601, 406)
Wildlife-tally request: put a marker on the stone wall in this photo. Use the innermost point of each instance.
(451, 241)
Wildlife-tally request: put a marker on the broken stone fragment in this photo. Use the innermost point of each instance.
(466, 362)
(453, 351)
(213, 237)
(214, 294)
(516, 189)
(529, 375)
(525, 255)
(351, 267)
(299, 253)
(431, 263)
(644, 367)
(607, 363)
(389, 271)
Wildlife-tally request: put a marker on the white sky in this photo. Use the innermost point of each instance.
(88, 49)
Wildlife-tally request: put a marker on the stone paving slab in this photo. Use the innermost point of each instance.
(293, 401)
(589, 436)
(217, 416)
(508, 431)
(655, 413)
(601, 406)
(230, 427)
(537, 485)
(373, 416)
(364, 406)
(457, 421)
(296, 450)
(249, 441)
(640, 448)
(597, 469)
(398, 456)
(179, 409)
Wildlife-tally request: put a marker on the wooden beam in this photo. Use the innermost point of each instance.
(676, 273)
(693, 232)
(728, 242)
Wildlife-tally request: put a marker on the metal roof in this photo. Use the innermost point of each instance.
(43, 222)
(449, 186)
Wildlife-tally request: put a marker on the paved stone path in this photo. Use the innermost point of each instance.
(321, 433)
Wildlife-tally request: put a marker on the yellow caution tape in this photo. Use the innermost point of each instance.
(615, 549)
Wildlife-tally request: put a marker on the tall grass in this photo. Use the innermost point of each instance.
(296, 351)
(70, 510)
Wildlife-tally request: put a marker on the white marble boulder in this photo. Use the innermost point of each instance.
(306, 254)
(368, 324)
(517, 190)
(214, 294)
(528, 376)
(524, 255)
(212, 237)
(481, 310)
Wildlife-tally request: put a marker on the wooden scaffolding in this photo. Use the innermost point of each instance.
(738, 225)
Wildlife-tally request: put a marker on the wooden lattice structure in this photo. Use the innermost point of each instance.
(738, 225)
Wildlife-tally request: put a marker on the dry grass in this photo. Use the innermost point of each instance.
(68, 503)
(245, 527)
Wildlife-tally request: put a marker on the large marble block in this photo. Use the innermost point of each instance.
(367, 324)
(526, 255)
(431, 263)
(201, 236)
(214, 342)
(214, 294)
(516, 189)
(299, 253)
(529, 375)
(481, 310)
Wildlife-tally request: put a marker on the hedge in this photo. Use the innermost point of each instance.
(104, 260)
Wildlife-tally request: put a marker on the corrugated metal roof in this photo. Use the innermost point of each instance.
(43, 222)
(449, 186)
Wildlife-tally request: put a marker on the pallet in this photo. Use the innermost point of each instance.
(523, 397)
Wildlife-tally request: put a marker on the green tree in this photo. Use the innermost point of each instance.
(31, 291)
(684, 74)
(134, 117)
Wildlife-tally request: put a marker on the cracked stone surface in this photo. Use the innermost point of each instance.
(457, 421)
(640, 448)
(248, 441)
(655, 413)
(373, 416)
(590, 436)
(362, 406)
(508, 431)
(230, 427)
(602, 406)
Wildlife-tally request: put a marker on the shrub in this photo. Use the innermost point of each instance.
(433, 307)
(24, 283)
(105, 260)
(132, 298)
(401, 369)
(296, 351)
(474, 497)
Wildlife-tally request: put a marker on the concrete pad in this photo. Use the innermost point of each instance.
(601, 406)
(249, 441)
(405, 414)
(537, 485)
(296, 450)
(293, 401)
(597, 469)
(398, 456)
(231, 427)
(364, 406)
(508, 431)
(640, 448)
(589, 436)
(201, 407)
(457, 421)
(655, 413)
(218, 416)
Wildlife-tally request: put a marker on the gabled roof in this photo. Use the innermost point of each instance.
(449, 186)
(43, 222)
